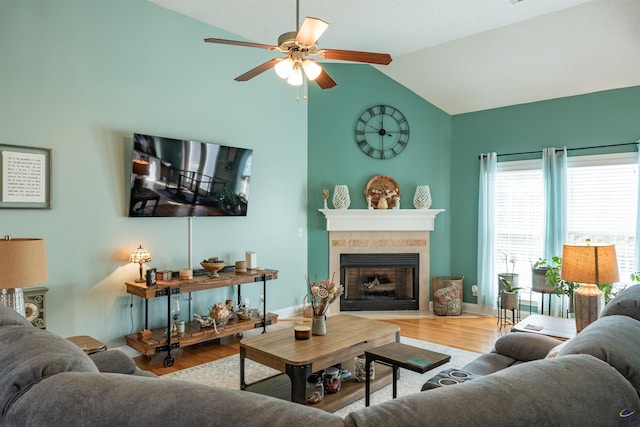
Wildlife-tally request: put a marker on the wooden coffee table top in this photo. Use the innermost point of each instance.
(557, 327)
(347, 336)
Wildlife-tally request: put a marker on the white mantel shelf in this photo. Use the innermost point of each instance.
(380, 219)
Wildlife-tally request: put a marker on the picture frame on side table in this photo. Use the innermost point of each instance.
(25, 177)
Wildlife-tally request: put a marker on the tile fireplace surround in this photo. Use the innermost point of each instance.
(371, 231)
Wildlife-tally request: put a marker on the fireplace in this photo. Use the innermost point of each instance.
(382, 232)
(380, 281)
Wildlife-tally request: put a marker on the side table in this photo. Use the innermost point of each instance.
(556, 327)
(405, 356)
(88, 344)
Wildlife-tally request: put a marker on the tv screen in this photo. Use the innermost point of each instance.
(183, 178)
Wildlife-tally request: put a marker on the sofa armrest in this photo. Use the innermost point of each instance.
(115, 361)
(525, 346)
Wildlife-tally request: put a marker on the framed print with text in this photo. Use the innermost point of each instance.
(25, 177)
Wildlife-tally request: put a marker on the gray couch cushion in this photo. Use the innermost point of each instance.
(576, 390)
(614, 339)
(9, 316)
(525, 346)
(29, 354)
(488, 363)
(626, 303)
(87, 399)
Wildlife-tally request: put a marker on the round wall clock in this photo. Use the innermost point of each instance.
(382, 132)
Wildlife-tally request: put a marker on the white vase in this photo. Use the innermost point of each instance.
(341, 199)
(422, 198)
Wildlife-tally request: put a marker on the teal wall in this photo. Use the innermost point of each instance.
(603, 118)
(335, 158)
(81, 77)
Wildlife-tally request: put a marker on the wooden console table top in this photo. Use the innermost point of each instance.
(200, 283)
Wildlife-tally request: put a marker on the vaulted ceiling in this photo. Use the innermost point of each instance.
(460, 55)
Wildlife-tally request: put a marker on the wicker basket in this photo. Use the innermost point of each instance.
(307, 309)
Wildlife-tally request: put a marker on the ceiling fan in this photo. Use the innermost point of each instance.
(299, 46)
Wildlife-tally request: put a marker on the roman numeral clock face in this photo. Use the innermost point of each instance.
(382, 132)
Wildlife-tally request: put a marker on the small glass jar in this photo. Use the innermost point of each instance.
(360, 371)
(315, 390)
(180, 326)
(331, 380)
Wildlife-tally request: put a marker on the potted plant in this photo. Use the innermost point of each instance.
(508, 284)
(552, 275)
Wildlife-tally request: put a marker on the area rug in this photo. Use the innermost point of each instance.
(226, 373)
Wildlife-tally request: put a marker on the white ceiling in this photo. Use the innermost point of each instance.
(460, 55)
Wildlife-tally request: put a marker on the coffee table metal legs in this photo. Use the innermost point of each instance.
(298, 376)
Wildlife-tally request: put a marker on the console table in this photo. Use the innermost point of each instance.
(163, 339)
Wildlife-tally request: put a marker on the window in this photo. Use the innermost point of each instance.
(602, 203)
(519, 216)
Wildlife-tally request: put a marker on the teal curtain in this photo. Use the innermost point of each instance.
(554, 178)
(487, 289)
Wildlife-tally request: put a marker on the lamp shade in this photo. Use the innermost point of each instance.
(23, 262)
(140, 167)
(589, 263)
(140, 255)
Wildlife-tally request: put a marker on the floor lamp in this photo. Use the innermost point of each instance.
(590, 265)
(23, 262)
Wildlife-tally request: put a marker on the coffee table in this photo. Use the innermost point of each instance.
(347, 337)
(556, 327)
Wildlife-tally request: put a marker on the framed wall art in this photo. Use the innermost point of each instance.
(25, 177)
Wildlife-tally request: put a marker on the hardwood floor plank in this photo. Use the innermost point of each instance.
(472, 333)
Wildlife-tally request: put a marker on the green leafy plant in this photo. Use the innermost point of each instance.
(554, 268)
(611, 291)
(508, 286)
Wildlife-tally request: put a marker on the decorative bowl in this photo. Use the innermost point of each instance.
(243, 315)
(213, 267)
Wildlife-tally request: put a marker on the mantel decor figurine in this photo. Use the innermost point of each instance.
(382, 192)
(322, 294)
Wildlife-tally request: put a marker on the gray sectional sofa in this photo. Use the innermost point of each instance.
(594, 379)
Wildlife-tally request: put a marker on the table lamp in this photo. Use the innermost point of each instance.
(140, 256)
(590, 265)
(140, 170)
(23, 262)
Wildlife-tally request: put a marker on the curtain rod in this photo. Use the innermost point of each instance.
(569, 149)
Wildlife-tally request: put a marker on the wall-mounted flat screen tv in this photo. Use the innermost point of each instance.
(184, 178)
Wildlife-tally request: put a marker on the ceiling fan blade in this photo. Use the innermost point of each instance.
(239, 43)
(353, 55)
(258, 70)
(311, 30)
(324, 80)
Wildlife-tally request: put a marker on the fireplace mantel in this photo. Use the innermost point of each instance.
(380, 219)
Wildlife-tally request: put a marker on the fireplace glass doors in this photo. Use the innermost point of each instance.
(379, 281)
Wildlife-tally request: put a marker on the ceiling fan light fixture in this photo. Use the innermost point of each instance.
(311, 69)
(295, 78)
(284, 68)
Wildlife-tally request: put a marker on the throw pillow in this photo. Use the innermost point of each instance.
(525, 346)
(613, 339)
(626, 303)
